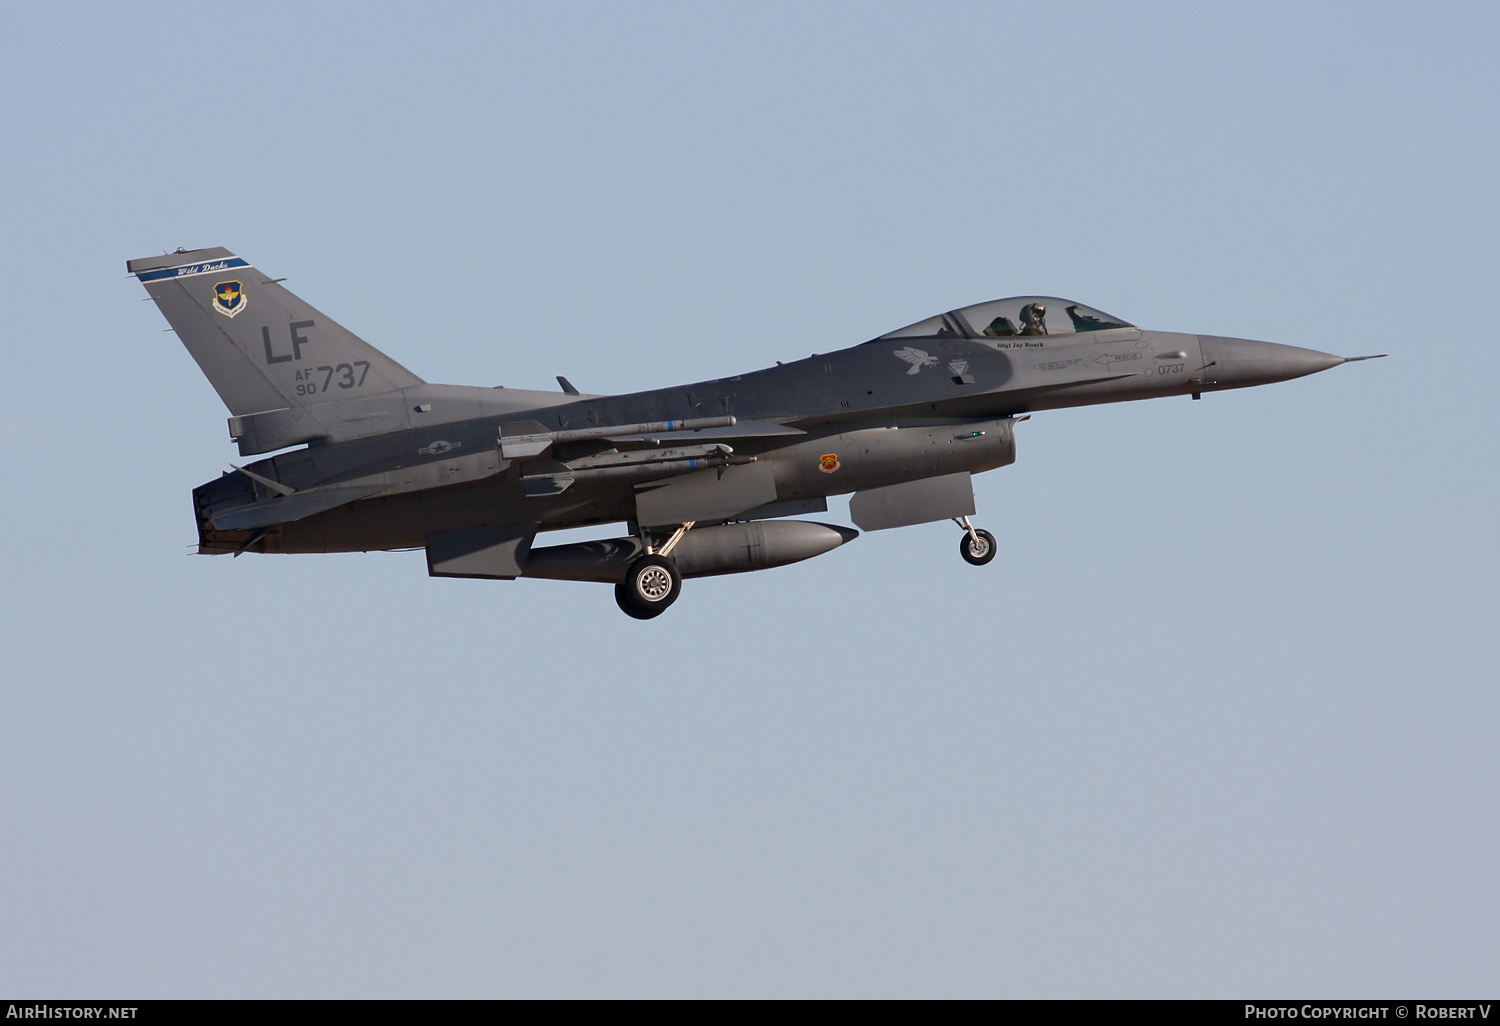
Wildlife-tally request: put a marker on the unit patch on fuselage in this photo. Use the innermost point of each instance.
(918, 358)
(828, 463)
(229, 298)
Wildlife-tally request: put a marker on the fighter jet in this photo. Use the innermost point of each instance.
(702, 475)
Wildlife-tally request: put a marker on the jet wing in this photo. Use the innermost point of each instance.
(739, 429)
(528, 439)
(285, 509)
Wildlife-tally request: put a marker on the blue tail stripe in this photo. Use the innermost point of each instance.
(207, 267)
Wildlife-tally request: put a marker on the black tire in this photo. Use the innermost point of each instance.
(977, 550)
(651, 585)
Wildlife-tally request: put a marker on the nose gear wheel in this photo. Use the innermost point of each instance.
(977, 545)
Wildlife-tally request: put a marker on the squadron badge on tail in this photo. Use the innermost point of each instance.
(229, 298)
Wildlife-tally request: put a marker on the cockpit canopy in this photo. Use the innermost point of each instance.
(1019, 315)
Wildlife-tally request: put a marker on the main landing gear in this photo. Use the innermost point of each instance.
(977, 546)
(652, 583)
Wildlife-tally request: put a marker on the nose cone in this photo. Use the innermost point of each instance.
(1240, 362)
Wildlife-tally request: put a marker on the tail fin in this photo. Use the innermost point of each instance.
(261, 347)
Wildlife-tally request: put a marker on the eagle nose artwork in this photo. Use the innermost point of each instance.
(701, 477)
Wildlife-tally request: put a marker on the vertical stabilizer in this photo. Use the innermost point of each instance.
(261, 347)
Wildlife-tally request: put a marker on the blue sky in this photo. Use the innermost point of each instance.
(1219, 720)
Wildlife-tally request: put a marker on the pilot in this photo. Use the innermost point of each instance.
(1000, 327)
(1033, 319)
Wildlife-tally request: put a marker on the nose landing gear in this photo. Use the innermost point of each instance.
(977, 546)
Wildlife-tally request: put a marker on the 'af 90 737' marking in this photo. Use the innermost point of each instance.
(342, 375)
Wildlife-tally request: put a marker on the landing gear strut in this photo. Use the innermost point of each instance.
(977, 546)
(652, 583)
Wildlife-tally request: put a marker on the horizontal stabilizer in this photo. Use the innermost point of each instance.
(287, 508)
(492, 551)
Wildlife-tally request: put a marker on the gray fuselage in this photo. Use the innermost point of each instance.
(886, 411)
